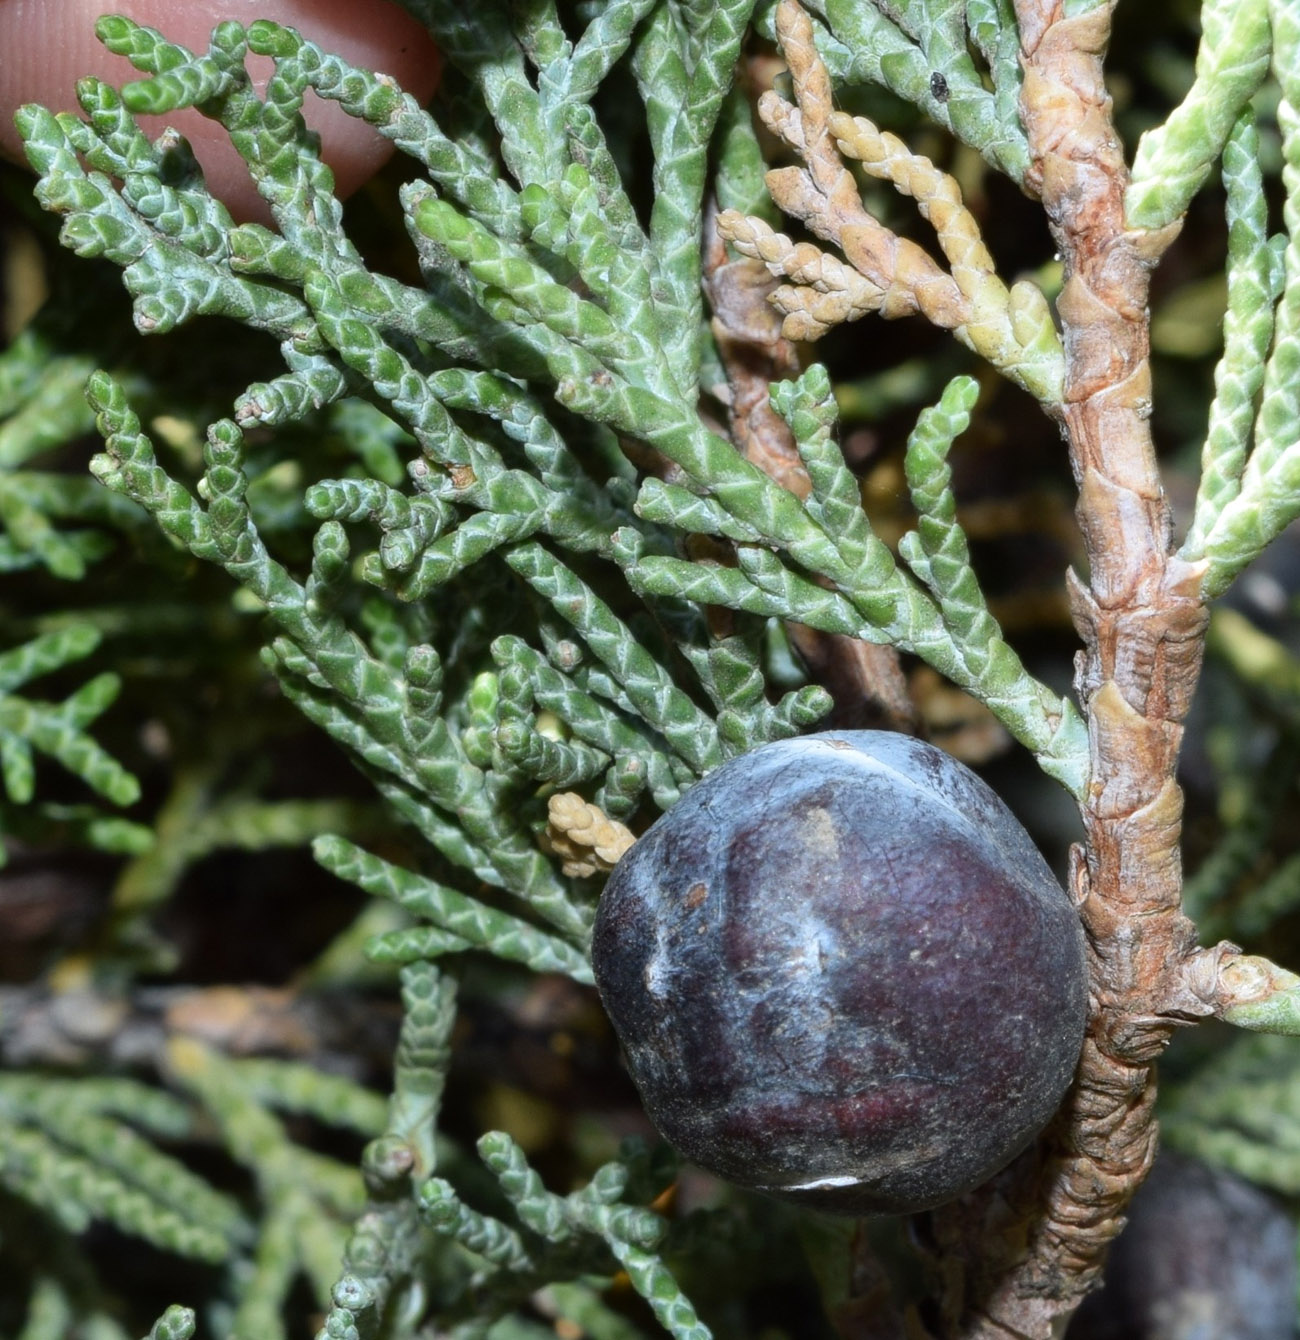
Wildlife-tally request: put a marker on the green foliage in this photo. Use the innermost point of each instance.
(1173, 161)
(58, 731)
(459, 922)
(1246, 500)
(307, 1201)
(558, 1236)
(1239, 1110)
(177, 1323)
(484, 529)
(51, 521)
(941, 616)
(41, 406)
(66, 1150)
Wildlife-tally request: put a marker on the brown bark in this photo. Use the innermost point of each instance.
(1142, 623)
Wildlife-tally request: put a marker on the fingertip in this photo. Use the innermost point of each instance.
(49, 44)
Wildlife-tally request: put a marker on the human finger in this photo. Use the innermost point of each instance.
(46, 45)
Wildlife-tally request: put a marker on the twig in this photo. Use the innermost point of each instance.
(1143, 624)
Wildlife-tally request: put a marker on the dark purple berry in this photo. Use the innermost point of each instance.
(843, 974)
